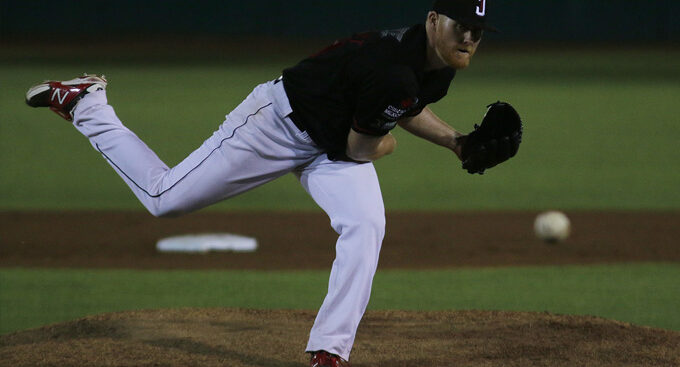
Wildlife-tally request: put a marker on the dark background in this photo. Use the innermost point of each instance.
(621, 21)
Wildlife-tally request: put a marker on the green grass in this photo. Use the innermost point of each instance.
(601, 132)
(644, 294)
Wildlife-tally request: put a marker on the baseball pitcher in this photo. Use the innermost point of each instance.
(325, 120)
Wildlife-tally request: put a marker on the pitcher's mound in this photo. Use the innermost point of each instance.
(227, 337)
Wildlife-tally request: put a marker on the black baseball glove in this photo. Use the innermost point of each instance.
(495, 141)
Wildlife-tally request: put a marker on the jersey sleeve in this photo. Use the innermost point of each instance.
(384, 91)
(384, 98)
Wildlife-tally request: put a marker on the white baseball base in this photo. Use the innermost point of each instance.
(202, 243)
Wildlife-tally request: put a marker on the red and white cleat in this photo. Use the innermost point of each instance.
(62, 96)
(325, 359)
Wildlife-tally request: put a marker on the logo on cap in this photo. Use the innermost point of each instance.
(481, 9)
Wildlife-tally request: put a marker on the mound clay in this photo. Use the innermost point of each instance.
(266, 338)
(248, 338)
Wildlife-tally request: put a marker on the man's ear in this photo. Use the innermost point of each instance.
(432, 18)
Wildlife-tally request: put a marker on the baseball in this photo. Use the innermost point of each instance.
(552, 226)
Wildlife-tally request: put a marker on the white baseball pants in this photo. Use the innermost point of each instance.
(258, 143)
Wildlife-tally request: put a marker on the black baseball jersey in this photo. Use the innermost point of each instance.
(366, 82)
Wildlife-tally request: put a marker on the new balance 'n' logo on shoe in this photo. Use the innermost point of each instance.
(325, 359)
(62, 96)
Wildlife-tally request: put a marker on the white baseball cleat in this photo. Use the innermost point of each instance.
(62, 96)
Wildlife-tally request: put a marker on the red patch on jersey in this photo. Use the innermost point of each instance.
(359, 40)
(407, 103)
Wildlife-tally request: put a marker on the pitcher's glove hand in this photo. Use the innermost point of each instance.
(495, 141)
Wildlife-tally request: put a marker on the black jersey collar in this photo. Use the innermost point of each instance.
(414, 52)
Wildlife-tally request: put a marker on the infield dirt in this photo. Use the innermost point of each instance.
(275, 338)
(414, 240)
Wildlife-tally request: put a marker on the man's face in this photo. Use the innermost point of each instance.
(455, 43)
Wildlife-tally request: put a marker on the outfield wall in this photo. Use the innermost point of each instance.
(526, 20)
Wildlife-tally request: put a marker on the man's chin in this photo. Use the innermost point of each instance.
(459, 60)
(459, 64)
